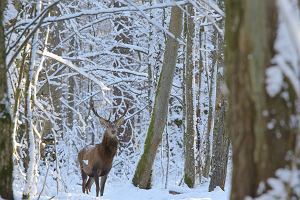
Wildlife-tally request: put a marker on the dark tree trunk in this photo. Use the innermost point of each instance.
(210, 121)
(220, 148)
(257, 151)
(6, 147)
(199, 111)
(220, 143)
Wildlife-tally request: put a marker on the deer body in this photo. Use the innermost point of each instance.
(96, 161)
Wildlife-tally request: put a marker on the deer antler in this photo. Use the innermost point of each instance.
(122, 116)
(94, 111)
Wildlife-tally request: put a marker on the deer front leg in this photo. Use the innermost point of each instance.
(96, 177)
(89, 184)
(103, 180)
(84, 176)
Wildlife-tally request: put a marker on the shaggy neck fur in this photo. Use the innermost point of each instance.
(110, 144)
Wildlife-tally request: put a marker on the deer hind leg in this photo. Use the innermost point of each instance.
(96, 177)
(84, 177)
(89, 184)
(103, 180)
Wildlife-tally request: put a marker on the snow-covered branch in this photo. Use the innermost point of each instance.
(80, 71)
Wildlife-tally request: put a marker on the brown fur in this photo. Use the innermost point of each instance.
(100, 158)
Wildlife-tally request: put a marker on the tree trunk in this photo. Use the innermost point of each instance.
(210, 122)
(6, 147)
(71, 87)
(189, 135)
(257, 151)
(220, 142)
(31, 179)
(220, 135)
(158, 119)
(199, 111)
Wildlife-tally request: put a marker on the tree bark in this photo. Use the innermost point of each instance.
(189, 135)
(158, 119)
(220, 148)
(199, 111)
(220, 142)
(210, 121)
(257, 151)
(31, 173)
(6, 147)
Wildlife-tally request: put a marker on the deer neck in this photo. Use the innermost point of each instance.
(110, 144)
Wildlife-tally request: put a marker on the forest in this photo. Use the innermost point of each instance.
(150, 99)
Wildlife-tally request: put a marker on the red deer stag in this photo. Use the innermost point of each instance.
(96, 160)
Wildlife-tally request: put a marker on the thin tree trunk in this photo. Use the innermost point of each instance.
(258, 151)
(220, 135)
(150, 70)
(31, 174)
(210, 122)
(199, 111)
(142, 174)
(189, 136)
(17, 98)
(29, 132)
(220, 142)
(6, 147)
(71, 90)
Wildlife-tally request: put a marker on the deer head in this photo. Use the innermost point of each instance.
(110, 126)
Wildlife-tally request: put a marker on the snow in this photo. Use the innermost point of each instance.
(271, 124)
(86, 162)
(10, 12)
(126, 191)
(285, 178)
(287, 46)
(274, 81)
(88, 43)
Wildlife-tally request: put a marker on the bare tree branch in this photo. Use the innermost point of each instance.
(106, 11)
(40, 17)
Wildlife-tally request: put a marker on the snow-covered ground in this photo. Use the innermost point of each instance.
(119, 188)
(126, 191)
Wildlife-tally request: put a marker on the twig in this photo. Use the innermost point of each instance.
(42, 16)
(44, 182)
(108, 11)
(72, 66)
(166, 31)
(137, 112)
(29, 22)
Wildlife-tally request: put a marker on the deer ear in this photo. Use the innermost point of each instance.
(103, 122)
(119, 121)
